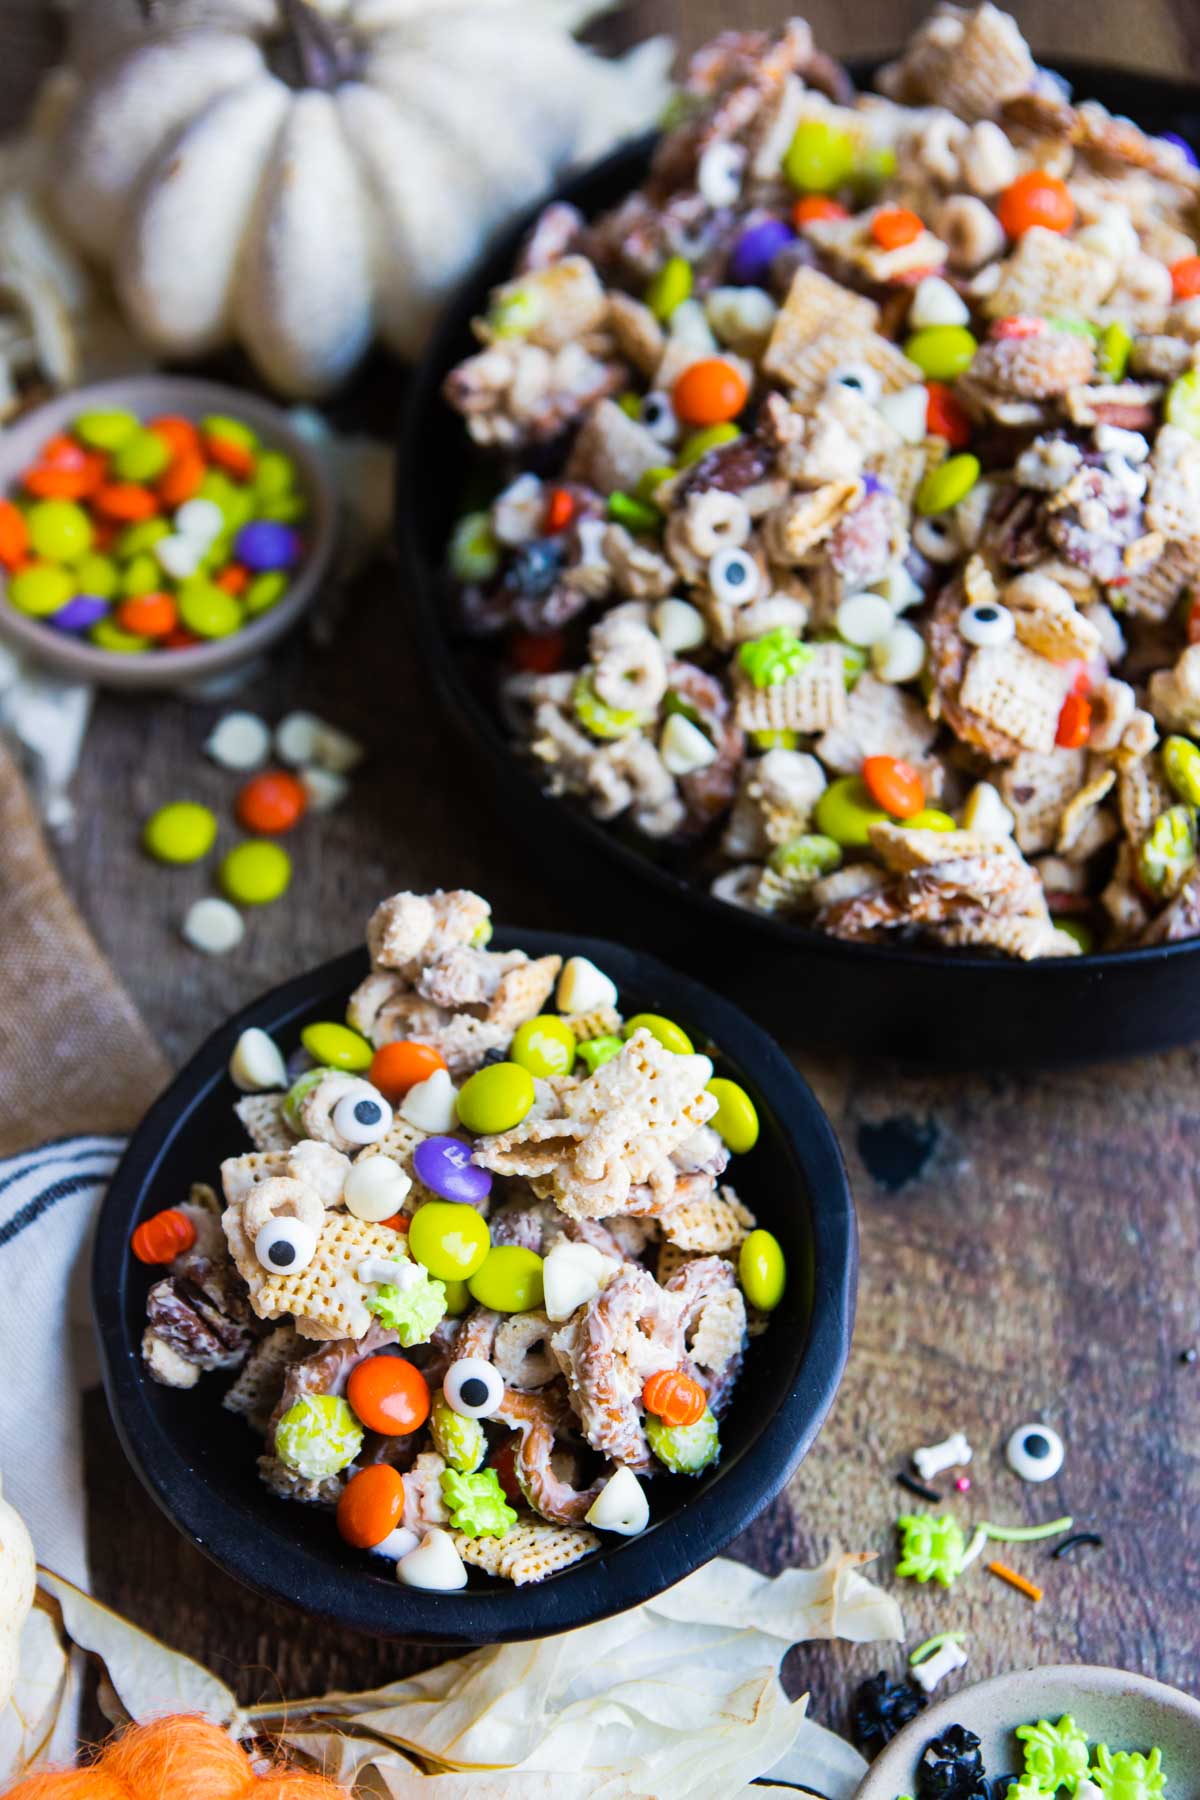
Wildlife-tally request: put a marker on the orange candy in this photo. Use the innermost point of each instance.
(397, 1067)
(811, 208)
(397, 1222)
(560, 510)
(271, 802)
(710, 392)
(14, 535)
(674, 1397)
(148, 615)
(389, 1395)
(125, 501)
(235, 459)
(1074, 722)
(370, 1506)
(179, 434)
(894, 785)
(233, 578)
(1185, 277)
(164, 1237)
(182, 480)
(894, 226)
(1036, 198)
(63, 479)
(181, 639)
(946, 417)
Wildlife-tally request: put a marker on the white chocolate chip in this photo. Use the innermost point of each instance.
(239, 741)
(936, 303)
(684, 747)
(376, 1187)
(907, 411)
(572, 1275)
(986, 814)
(296, 738)
(213, 926)
(621, 1505)
(899, 589)
(900, 656)
(434, 1565)
(582, 987)
(325, 790)
(257, 1064)
(864, 619)
(432, 1104)
(680, 626)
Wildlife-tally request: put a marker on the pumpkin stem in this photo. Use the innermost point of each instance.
(313, 53)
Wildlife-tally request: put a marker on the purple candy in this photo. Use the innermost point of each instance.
(80, 614)
(265, 544)
(756, 249)
(1181, 143)
(444, 1164)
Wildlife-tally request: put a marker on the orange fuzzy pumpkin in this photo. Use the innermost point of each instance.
(171, 1758)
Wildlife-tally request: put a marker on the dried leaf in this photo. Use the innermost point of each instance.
(822, 1762)
(27, 1723)
(832, 1601)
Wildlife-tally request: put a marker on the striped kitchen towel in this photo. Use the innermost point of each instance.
(48, 1203)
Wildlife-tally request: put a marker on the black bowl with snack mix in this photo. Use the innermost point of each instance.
(818, 586)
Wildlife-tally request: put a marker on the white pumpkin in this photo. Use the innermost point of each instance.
(301, 175)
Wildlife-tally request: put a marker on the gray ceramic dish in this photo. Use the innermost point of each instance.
(1126, 1712)
(149, 395)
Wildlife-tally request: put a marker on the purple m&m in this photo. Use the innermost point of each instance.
(756, 249)
(80, 614)
(265, 545)
(444, 1164)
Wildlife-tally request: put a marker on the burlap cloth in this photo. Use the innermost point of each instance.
(74, 1053)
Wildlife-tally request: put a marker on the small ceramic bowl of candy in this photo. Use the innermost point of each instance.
(156, 531)
(1097, 1734)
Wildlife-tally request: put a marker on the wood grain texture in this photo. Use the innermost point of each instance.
(1040, 1261)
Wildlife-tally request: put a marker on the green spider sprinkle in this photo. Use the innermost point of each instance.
(476, 1503)
(413, 1313)
(1056, 1756)
(1127, 1774)
(932, 1548)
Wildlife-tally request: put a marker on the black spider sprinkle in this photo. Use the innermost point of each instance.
(952, 1767)
(880, 1709)
(1073, 1542)
(920, 1488)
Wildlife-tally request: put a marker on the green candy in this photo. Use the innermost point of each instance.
(809, 854)
(775, 657)
(460, 1442)
(318, 1436)
(684, 1449)
(236, 503)
(264, 592)
(670, 1035)
(481, 937)
(635, 515)
(1168, 852)
(142, 457)
(1182, 406)
(207, 609)
(495, 1098)
(59, 530)
(473, 553)
(774, 740)
(141, 575)
(296, 1095)
(233, 431)
(931, 1549)
(735, 1120)
(711, 437)
(846, 811)
(930, 818)
(97, 575)
(255, 873)
(1181, 766)
(286, 508)
(1112, 351)
(597, 1051)
(449, 1239)
(274, 475)
(413, 1313)
(649, 484)
(601, 720)
(107, 636)
(476, 1503)
(337, 1046)
(458, 1299)
(1055, 1755)
(670, 287)
(948, 483)
(182, 832)
(509, 1279)
(140, 537)
(941, 352)
(1083, 934)
(762, 1269)
(106, 430)
(545, 1046)
(819, 158)
(40, 589)
(516, 313)
(630, 404)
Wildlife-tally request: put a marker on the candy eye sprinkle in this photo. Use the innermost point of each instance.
(285, 1246)
(1035, 1452)
(860, 378)
(734, 577)
(658, 416)
(987, 622)
(936, 540)
(473, 1388)
(362, 1116)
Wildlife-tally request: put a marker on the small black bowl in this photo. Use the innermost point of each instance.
(198, 1461)
(953, 1010)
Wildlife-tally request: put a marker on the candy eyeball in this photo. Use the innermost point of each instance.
(936, 540)
(658, 416)
(473, 1388)
(719, 174)
(285, 1246)
(987, 622)
(362, 1115)
(1035, 1452)
(860, 378)
(734, 577)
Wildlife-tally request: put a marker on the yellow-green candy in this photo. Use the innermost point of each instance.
(97, 575)
(449, 1239)
(948, 483)
(819, 158)
(1083, 934)
(601, 720)
(473, 554)
(1168, 852)
(711, 437)
(735, 1120)
(106, 430)
(59, 530)
(508, 1280)
(141, 575)
(941, 352)
(274, 475)
(142, 536)
(264, 592)
(182, 832)
(337, 1046)
(545, 1046)
(207, 609)
(40, 589)
(458, 1297)
(670, 287)
(234, 431)
(930, 818)
(142, 457)
(597, 1051)
(257, 872)
(296, 1094)
(286, 508)
(670, 1035)
(107, 636)
(762, 1270)
(1181, 766)
(1182, 406)
(495, 1098)
(846, 811)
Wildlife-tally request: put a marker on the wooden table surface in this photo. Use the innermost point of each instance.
(1039, 1260)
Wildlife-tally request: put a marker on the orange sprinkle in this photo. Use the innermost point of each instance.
(1014, 1580)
